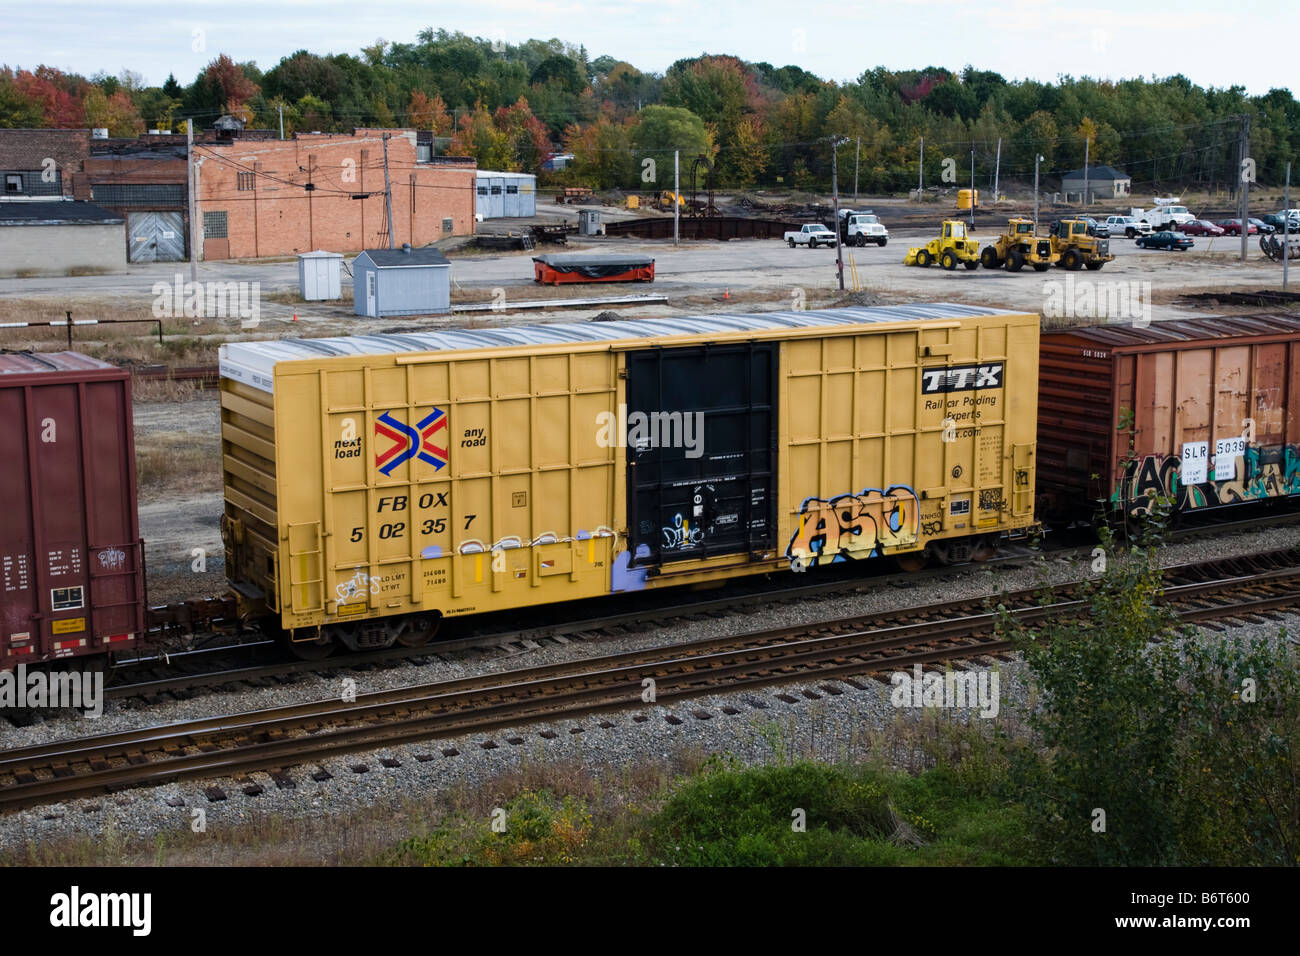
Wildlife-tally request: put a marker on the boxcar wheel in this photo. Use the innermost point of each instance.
(307, 650)
(420, 629)
(913, 561)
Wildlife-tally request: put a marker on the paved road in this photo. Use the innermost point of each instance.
(768, 265)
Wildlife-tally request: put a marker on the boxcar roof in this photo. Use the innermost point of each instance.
(253, 362)
(27, 363)
(1175, 331)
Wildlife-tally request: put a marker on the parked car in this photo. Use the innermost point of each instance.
(1263, 228)
(812, 235)
(1232, 227)
(1200, 227)
(1277, 221)
(1128, 225)
(1095, 228)
(1164, 240)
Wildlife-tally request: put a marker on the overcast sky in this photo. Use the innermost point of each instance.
(1212, 43)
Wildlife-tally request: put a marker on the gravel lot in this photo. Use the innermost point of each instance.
(823, 719)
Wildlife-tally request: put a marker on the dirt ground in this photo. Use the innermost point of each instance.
(178, 458)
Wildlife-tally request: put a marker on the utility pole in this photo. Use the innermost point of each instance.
(1245, 187)
(997, 170)
(677, 193)
(1286, 226)
(191, 171)
(920, 173)
(388, 194)
(972, 185)
(1037, 160)
(1086, 156)
(835, 193)
(282, 121)
(857, 157)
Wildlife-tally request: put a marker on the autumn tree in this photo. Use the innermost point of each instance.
(229, 82)
(116, 113)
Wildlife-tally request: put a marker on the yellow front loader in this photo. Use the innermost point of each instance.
(952, 246)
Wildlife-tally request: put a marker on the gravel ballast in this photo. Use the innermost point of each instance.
(826, 719)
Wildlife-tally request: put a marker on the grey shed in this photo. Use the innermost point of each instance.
(402, 281)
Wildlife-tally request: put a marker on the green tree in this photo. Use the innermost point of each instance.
(1106, 790)
(662, 129)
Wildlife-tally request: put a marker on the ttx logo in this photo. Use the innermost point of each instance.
(408, 442)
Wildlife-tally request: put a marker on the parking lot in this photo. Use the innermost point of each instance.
(743, 275)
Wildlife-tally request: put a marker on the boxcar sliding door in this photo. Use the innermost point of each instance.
(701, 435)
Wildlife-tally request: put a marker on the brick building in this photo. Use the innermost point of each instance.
(43, 163)
(144, 183)
(326, 191)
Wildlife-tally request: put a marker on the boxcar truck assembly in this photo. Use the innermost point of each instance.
(1199, 412)
(72, 561)
(376, 484)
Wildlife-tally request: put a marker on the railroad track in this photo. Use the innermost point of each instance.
(156, 678)
(278, 738)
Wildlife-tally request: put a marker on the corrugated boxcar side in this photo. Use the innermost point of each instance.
(1076, 427)
(462, 454)
(72, 562)
(867, 465)
(1192, 409)
(1197, 411)
(250, 528)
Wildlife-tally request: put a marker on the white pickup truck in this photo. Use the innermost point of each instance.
(812, 235)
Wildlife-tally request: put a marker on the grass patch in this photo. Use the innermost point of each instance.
(796, 814)
(177, 462)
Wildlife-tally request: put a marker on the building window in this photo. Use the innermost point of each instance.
(66, 599)
(214, 225)
(482, 191)
(496, 190)
(13, 182)
(448, 225)
(245, 181)
(512, 190)
(139, 194)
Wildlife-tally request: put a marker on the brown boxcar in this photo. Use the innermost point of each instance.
(1200, 411)
(70, 549)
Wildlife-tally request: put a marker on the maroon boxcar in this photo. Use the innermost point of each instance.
(1205, 412)
(70, 549)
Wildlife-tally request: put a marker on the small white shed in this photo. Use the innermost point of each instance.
(319, 275)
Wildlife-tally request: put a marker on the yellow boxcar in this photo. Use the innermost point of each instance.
(377, 484)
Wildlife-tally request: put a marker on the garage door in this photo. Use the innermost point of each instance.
(156, 237)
